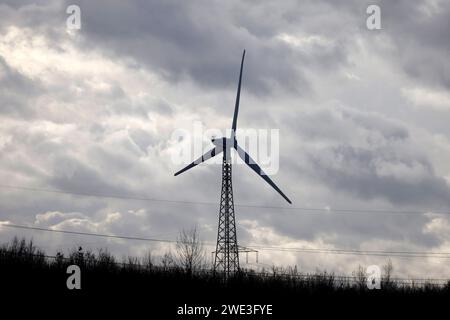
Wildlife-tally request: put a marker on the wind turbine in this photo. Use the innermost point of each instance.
(227, 250)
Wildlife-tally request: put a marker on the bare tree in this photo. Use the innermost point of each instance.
(387, 270)
(147, 261)
(360, 277)
(167, 261)
(190, 252)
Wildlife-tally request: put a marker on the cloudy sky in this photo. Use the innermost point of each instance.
(363, 118)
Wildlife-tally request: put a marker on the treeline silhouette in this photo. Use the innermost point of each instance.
(29, 268)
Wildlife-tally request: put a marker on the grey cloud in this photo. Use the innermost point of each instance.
(351, 229)
(143, 139)
(418, 32)
(358, 147)
(201, 41)
(81, 178)
(389, 129)
(354, 170)
(46, 16)
(16, 91)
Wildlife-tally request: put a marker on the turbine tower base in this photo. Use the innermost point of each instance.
(226, 260)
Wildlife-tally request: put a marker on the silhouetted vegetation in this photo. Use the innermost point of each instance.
(29, 268)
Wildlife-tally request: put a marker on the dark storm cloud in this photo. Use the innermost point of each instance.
(201, 40)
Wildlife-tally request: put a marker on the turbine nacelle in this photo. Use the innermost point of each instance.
(224, 145)
(224, 142)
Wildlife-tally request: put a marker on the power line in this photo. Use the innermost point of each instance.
(400, 254)
(307, 210)
(86, 233)
(351, 250)
(357, 253)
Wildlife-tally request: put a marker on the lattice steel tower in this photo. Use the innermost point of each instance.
(227, 251)
(226, 259)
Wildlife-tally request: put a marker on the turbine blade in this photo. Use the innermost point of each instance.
(255, 167)
(211, 153)
(238, 96)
